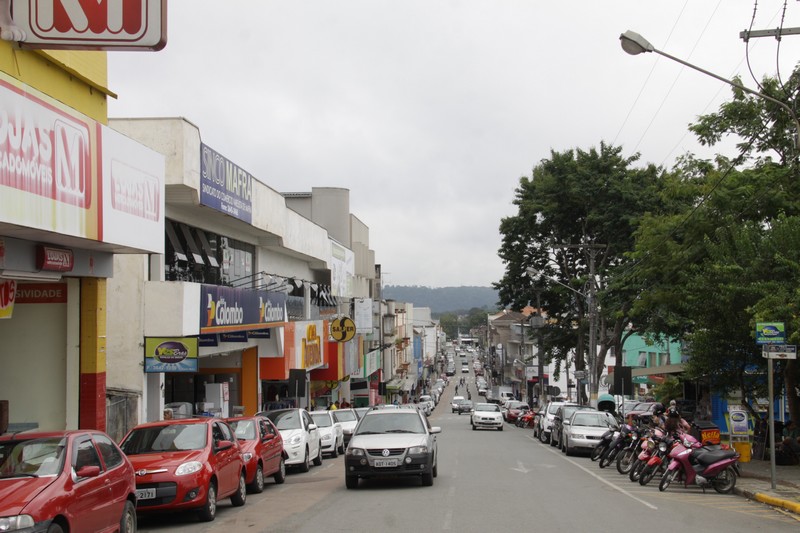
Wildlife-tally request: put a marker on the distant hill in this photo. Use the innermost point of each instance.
(443, 299)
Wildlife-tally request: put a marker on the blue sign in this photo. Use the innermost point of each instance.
(238, 336)
(225, 309)
(770, 333)
(258, 334)
(207, 341)
(225, 186)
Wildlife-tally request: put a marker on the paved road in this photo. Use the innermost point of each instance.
(488, 481)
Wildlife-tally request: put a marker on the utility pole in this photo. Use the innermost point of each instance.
(539, 324)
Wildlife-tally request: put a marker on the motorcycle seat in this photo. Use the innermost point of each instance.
(705, 456)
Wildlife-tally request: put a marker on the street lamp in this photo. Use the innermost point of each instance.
(635, 44)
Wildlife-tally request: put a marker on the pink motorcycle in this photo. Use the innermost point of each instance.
(696, 464)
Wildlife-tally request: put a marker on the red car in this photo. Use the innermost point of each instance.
(262, 449)
(516, 411)
(65, 481)
(186, 464)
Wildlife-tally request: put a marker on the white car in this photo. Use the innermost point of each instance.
(456, 400)
(486, 415)
(427, 400)
(585, 430)
(348, 419)
(301, 439)
(330, 432)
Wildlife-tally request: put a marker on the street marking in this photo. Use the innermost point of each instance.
(521, 468)
(599, 478)
(448, 520)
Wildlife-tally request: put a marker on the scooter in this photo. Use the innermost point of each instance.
(649, 443)
(702, 466)
(656, 462)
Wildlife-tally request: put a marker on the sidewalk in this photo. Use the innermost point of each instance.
(756, 484)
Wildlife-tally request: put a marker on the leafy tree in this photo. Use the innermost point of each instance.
(577, 208)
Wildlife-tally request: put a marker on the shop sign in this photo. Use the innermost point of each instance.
(225, 309)
(237, 336)
(41, 293)
(343, 329)
(208, 341)
(80, 25)
(54, 259)
(303, 344)
(258, 334)
(739, 422)
(177, 354)
(770, 333)
(8, 293)
(225, 186)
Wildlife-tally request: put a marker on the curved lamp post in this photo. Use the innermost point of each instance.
(635, 44)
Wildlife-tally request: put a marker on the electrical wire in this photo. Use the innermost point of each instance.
(747, 46)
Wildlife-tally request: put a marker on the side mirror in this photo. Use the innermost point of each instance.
(223, 445)
(268, 437)
(312, 427)
(88, 471)
(436, 429)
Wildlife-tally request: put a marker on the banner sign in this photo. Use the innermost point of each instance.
(225, 309)
(8, 293)
(739, 422)
(259, 334)
(303, 344)
(208, 341)
(779, 351)
(237, 336)
(41, 293)
(170, 354)
(770, 333)
(225, 186)
(363, 315)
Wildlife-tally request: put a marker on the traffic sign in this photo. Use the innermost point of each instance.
(580, 374)
(779, 351)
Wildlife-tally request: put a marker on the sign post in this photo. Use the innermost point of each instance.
(771, 335)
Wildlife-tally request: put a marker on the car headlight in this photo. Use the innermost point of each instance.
(247, 456)
(355, 451)
(418, 450)
(327, 436)
(297, 439)
(14, 523)
(189, 468)
(576, 436)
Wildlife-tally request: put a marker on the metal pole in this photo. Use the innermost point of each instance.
(771, 397)
(592, 331)
(540, 354)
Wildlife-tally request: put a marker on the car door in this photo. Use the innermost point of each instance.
(91, 505)
(270, 445)
(312, 435)
(118, 474)
(226, 459)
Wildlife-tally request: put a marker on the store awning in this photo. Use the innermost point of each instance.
(394, 384)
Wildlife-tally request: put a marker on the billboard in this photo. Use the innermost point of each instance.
(225, 186)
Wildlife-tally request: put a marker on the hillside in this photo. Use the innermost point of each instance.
(443, 299)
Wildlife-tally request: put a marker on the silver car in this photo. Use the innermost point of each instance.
(391, 443)
(585, 430)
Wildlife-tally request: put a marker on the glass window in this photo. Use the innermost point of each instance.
(111, 454)
(244, 429)
(172, 437)
(85, 455)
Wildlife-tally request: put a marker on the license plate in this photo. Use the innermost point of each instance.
(385, 463)
(145, 494)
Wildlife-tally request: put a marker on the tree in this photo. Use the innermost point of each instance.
(576, 203)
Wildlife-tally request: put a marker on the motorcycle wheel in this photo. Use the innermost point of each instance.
(648, 474)
(609, 457)
(666, 479)
(636, 469)
(725, 481)
(597, 451)
(625, 461)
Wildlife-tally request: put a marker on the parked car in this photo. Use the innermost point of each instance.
(330, 432)
(515, 409)
(348, 419)
(464, 407)
(390, 444)
(546, 423)
(65, 481)
(262, 450)
(427, 399)
(511, 404)
(486, 415)
(186, 464)
(560, 419)
(586, 428)
(301, 440)
(361, 410)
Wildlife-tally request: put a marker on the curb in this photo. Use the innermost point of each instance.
(769, 500)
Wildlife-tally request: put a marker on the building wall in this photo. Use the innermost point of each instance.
(330, 208)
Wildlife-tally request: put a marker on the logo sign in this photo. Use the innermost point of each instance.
(225, 309)
(311, 347)
(225, 186)
(54, 259)
(170, 354)
(343, 329)
(93, 25)
(770, 333)
(8, 293)
(237, 336)
(779, 351)
(739, 423)
(259, 334)
(41, 293)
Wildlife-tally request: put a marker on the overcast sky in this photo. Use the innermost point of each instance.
(429, 111)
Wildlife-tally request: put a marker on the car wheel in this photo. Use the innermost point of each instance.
(318, 459)
(127, 523)
(305, 466)
(335, 452)
(500, 428)
(55, 528)
(351, 482)
(436, 469)
(543, 437)
(427, 479)
(257, 486)
(341, 447)
(280, 475)
(240, 496)
(209, 511)
(474, 427)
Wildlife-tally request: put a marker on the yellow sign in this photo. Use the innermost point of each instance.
(343, 329)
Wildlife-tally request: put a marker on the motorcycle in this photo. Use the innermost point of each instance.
(601, 447)
(656, 462)
(696, 464)
(526, 419)
(648, 444)
(627, 457)
(621, 441)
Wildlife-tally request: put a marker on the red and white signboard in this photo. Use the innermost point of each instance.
(89, 24)
(8, 293)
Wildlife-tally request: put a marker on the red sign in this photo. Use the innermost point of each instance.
(91, 24)
(54, 259)
(41, 293)
(7, 297)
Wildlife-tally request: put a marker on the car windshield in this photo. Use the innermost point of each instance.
(32, 458)
(244, 429)
(172, 437)
(490, 407)
(553, 408)
(322, 420)
(567, 411)
(360, 412)
(466, 403)
(396, 422)
(594, 420)
(285, 419)
(344, 416)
